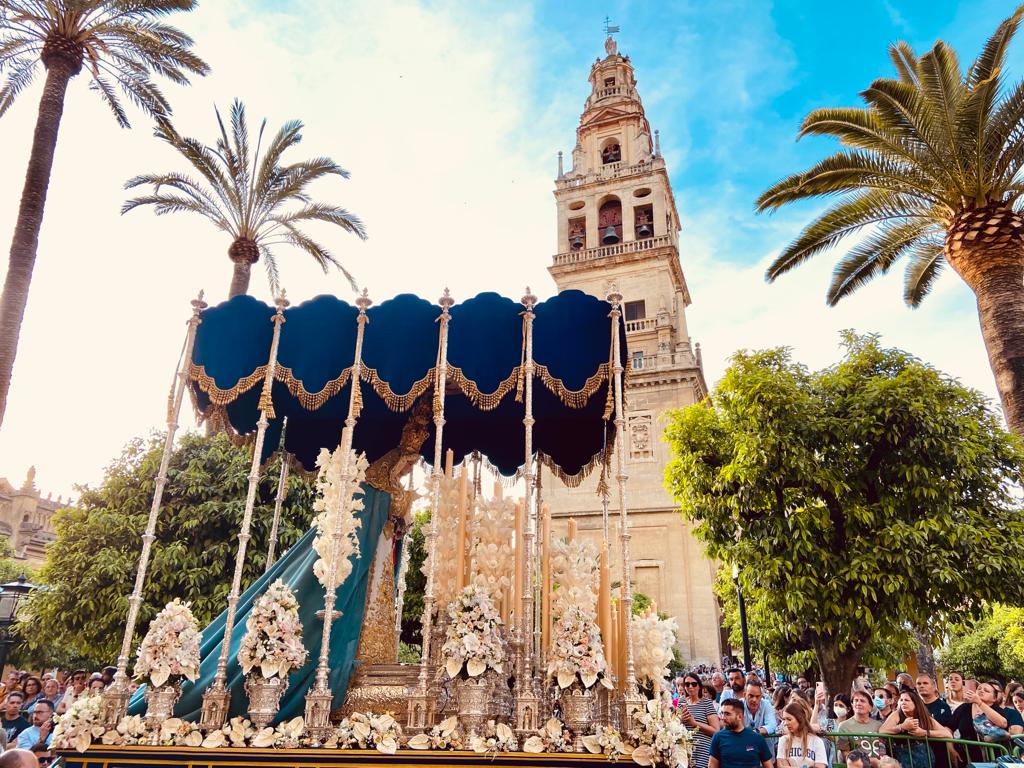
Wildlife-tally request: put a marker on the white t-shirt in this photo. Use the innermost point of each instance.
(792, 749)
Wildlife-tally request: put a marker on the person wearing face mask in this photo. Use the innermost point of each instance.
(863, 725)
(883, 704)
(842, 707)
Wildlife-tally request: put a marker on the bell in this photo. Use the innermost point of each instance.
(610, 236)
(644, 230)
(577, 243)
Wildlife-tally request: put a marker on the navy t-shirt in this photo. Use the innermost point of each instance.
(746, 749)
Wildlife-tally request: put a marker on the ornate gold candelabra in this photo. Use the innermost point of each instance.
(115, 698)
(217, 698)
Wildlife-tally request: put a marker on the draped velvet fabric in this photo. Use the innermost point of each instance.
(295, 568)
(484, 409)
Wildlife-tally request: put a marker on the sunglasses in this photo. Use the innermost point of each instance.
(691, 685)
(45, 760)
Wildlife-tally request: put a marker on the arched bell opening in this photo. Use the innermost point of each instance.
(611, 151)
(609, 221)
(643, 221)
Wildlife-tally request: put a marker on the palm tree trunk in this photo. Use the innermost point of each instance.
(30, 219)
(240, 279)
(1000, 294)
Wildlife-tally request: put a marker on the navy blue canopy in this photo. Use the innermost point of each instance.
(484, 409)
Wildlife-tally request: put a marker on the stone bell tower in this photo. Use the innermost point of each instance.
(618, 224)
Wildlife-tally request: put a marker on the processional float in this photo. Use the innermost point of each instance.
(522, 387)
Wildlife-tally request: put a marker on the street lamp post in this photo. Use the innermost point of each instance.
(11, 596)
(743, 617)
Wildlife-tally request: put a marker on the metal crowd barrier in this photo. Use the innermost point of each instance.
(992, 751)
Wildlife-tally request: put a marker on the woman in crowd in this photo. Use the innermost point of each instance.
(1018, 702)
(33, 689)
(709, 692)
(51, 692)
(699, 713)
(800, 747)
(843, 708)
(954, 689)
(911, 718)
(979, 718)
(780, 699)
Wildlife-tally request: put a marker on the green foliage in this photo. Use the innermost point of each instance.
(409, 654)
(90, 568)
(641, 603)
(992, 646)
(859, 501)
(932, 143)
(415, 581)
(122, 44)
(11, 569)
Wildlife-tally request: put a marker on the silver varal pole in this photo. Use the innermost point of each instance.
(320, 696)
(217, 698)
(282, 492)
(633, 700)
(420, 706)
(527, 697)
(115, 698)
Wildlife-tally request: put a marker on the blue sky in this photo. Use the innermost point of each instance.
(449, 114)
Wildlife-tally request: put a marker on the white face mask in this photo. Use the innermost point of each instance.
(840, 711)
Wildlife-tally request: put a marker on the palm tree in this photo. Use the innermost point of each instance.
(122, 44)
(932, 167)
(247, 196)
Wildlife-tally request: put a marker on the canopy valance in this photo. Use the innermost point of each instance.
(572, 352)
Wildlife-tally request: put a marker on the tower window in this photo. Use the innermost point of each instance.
(643, 221)
(609, 82)
(635, 310)
(577, 234)
(638, 360)
(609, 222)
(612, 153)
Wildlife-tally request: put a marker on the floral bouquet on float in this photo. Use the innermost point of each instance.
(659, 737)
(169, 652)
(576, 654)
(472, 640)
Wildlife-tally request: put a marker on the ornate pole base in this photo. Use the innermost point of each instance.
(420, 712)
(214, 713)
(527, 713)
(632, 702)
(318, 712)
(114, 704)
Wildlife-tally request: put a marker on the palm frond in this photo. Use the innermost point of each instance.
(943, 88)
(106, 91)
(270, 265)
(925, 266)
(18, 79)
(993, 55)
(861, 209)
(905, 61)
(874, 256)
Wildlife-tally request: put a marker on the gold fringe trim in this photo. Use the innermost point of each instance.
(218, 396)
(485, 401)
(393, 401)
(311, 401)
(574, 398)
(599, 459)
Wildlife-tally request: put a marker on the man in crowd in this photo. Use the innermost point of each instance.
(954, 689)
(883, 704)
(803, 683)
(904, 681)
(863, 725)
(736, 746)
(43, 754)
(12, 721)
(940, 712)
(41, 730)
(758, 715)
(736, 685)
(718, 683)
(18, 758)
(858, 759)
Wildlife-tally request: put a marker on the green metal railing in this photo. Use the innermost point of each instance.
(991, 751)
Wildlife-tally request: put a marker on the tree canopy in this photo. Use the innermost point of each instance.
(859, 502)
(90, 568)
(991, 646)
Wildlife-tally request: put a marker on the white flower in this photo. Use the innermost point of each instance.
(653, 641)
(472, 638)
(337, 513)
(273, 634)
(170, 649)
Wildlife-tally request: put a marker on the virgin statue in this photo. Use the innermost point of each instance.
(367, 632)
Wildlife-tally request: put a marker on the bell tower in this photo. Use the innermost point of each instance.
(618, 225)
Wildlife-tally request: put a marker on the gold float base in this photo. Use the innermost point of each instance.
(381, 688)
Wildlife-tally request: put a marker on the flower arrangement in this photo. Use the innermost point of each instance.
(574, 569)
(367, 731)
(552, 737)
(273, 634)
(498, 737)
(336, 511)
(576, 653)
(472, 638)
(607, 740)
(660, 738)
(77, 727)
(444, 735)
(170, 649)
(653, 640)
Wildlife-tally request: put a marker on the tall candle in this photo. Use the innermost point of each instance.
(572, 529)
(546, 578)
(449, 462)
(604, 599)
(460, 552)
(612, 654)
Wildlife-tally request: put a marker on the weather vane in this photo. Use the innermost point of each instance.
(609, 28)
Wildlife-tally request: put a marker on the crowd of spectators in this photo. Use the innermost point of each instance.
(29, 704)
(741, 721)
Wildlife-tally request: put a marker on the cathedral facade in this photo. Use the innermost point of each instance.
(618, 225)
